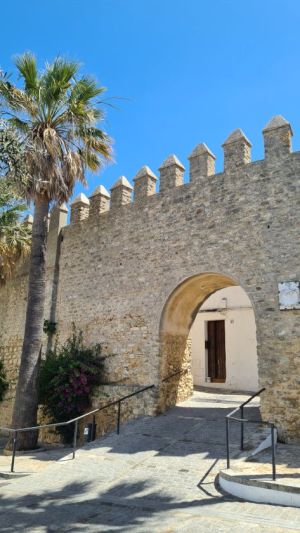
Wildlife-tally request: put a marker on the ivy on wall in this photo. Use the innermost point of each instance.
(49, 327)
(3, 381)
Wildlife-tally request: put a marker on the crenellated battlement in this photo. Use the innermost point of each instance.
(202, 162)
(277, 136)
(237, 151)
(144, 184)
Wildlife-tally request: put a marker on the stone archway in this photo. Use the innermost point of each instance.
(177, 318)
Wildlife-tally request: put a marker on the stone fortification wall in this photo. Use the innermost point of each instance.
(121, 265)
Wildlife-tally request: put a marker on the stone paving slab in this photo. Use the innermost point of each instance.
(137, 482)
(34, 461)
(259, 468)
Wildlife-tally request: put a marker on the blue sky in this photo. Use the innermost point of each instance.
(181, 71)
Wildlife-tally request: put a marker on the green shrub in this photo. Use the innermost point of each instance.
(3, 381)
(49, 327)
(68, 377)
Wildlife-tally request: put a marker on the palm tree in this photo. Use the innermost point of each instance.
(56, 114)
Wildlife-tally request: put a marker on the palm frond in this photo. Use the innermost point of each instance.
(17, 99)
(84, 91)
(52, 143)
(26, 65)
(15, 236)
(90, 158)
(56, 81)
(95, 139)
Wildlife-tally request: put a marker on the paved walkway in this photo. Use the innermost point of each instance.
(258, 468)
(151, 478)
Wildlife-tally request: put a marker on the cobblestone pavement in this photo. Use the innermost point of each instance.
(156, 476)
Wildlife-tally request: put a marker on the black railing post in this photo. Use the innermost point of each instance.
(119, 417)
(273, 452)
(242, 421)
(75, 437)
(73, 421)
(94, 428)
(14, 447)
(242, 427)
(227, 443)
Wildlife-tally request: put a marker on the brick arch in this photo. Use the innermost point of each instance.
(177, 318)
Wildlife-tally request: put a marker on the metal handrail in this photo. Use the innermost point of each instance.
(175, 374)
(74, 421)
(243, 420)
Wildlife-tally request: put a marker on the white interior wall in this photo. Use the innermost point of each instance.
(233, 306)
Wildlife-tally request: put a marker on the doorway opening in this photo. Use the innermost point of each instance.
(223, 342)
(203, 342)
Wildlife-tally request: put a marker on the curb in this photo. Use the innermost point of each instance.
(259, 491)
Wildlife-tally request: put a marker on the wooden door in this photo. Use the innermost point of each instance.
(216, 351)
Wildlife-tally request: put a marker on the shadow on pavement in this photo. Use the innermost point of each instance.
(125, 504)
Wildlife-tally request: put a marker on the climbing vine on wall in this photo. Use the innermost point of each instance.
(3, 381)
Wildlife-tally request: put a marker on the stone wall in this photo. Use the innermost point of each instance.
(106, 419)
(132, 275)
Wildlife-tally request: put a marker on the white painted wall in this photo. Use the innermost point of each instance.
(234, 307)
(260, 491)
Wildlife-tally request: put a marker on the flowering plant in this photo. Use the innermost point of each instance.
(68, 376)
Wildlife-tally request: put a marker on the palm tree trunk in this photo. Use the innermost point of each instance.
(26, 401)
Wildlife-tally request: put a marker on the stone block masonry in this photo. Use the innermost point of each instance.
(132, 275)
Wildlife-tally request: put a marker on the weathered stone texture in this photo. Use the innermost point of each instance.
(202, 162)
(80, 208)
(118, 270)
(144, 184)
(12, 322)
(277, 138)
(121, 193)
(106, 419)
(237, 151)
(171, 173)
(99, 201)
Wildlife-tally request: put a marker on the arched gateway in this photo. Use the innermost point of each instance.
(132, 274)
(177, 318)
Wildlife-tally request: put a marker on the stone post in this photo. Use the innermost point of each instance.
(80, 208)
(237, 151)
(171, 173)
(121, 193)
(58, 220)
(144, 183)
(99, 201)
(58, 217)
(277, 138)
(202, 162)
